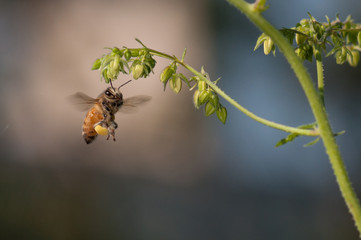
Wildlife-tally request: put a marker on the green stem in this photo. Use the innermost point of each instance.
(320, 80)
(316, 105)
(219, 91)
(249, 113)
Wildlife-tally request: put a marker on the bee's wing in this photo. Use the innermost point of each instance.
(81, 101)
(130, 104)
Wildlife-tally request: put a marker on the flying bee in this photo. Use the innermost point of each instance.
(101, 110)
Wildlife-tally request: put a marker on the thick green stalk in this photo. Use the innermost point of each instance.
(320, 80)
(316, 104)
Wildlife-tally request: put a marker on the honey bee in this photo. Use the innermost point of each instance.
(102, 110)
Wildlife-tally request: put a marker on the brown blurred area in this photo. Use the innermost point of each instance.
(59, 42)
(53, 185)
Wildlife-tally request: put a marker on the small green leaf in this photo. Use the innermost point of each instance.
(184, 54)
(312, 142)
(339, 133)
(335, 49)
(260, 41)
(96, 64)
(289, 34)
(185, 79)
(287, 139)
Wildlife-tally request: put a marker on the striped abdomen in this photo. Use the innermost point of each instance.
(94, 115)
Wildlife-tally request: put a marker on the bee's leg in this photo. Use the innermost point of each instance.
(112, 126)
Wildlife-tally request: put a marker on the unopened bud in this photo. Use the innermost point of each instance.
(268, 46)
(137, 71)
(300, 38)
(341, 56)
(166, 74)
(222, 114)
(209, 109)
(203, 97)
(202, 86)
(176, 83)
(354, 60)
(196, 99)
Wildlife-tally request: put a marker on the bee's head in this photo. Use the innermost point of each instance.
(114, 94)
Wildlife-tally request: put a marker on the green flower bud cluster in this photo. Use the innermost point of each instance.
(312, 37)
(140, 63)
(111, 65)
(204, 95)
(143, 65)
(118, 60)
(170, 75)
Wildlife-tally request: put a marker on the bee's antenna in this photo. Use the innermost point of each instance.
(124, 84)
(111, 84)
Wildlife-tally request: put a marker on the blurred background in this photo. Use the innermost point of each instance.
(172, 173)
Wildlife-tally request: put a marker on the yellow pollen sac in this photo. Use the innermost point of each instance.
(101, 130)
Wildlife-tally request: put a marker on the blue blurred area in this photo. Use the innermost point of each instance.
(202, 181)
(267, 86)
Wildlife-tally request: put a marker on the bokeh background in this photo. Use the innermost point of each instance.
(173, 173)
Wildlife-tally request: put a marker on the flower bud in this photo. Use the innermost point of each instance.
(137, 71)
(268, 46)
(117, 51)
(222, 114)
(354, 60)
(196, 99)
(304, 22)
(359, 38)
(134, 52)
(300, 38)
(214, 99)
(176, 83)
(127, 54)
(166, 74)
(202, 85)
(341, 55)
(336, 40)
(209, 109)
(114, 67)
(203, 97)
(101, 130)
